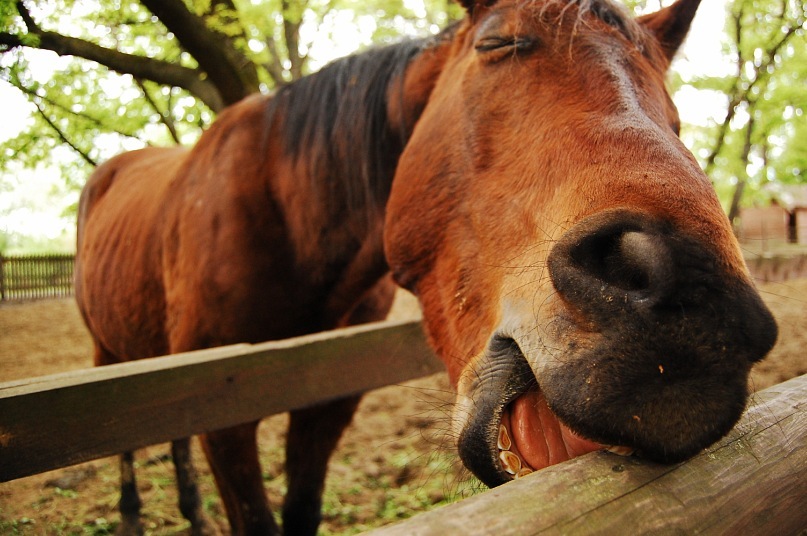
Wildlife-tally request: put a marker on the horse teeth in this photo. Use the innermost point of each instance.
(504, 442)
(524, 472)
(621, 451)
(510, 462)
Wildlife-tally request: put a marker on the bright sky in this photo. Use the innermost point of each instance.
(702, 54)
(35, 204)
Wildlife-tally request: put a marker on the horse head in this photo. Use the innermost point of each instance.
(574, 266)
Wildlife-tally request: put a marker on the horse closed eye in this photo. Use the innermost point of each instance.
(516, 43)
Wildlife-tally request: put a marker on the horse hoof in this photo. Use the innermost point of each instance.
(205, 526)
(129, 527)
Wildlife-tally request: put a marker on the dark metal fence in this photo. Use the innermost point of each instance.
(33, 277)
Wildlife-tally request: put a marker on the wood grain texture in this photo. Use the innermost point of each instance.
(754, 481)
(64, 419)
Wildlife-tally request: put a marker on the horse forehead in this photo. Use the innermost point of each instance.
(563, 16)
(579, 35)
(599, 86)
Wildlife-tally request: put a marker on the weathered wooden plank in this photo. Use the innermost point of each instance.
(754, 481)
(63, 419)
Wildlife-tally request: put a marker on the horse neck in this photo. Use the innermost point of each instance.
(343, 129)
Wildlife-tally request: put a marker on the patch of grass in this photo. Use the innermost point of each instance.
(26, 526)
(390, 487)
(99, 527)
(23, 525)
(65, 493)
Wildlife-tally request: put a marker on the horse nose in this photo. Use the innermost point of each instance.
(625, 273)
(619, 263)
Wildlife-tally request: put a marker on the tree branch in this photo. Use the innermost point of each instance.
(165, 118)
(734, 209)
(291, 32)
(229, 70)
(274, 66)
(742, 94)
(34, 97)
(9, 41)
(733, 102)
(26, 17)
(157, 71)
(138, 66)
(84, 156)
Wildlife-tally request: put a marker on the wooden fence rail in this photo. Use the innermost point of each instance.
(63, 419)
(36, 276)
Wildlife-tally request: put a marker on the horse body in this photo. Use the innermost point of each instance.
(180, 250)
(576, 272)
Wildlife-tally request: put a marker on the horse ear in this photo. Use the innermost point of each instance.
(671, 24)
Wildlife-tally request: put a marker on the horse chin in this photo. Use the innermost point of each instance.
(508, 428)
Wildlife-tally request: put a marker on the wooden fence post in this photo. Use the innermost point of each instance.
(2, 279)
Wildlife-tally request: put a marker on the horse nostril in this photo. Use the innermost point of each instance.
(633, 261)
(625, 260)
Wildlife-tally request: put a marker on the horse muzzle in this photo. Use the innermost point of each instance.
(646, 344)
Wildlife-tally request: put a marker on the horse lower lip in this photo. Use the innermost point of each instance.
(495, 445)
(504, 376)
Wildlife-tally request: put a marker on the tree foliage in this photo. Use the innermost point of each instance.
(758, 143)
(108, 75)
(127, 74)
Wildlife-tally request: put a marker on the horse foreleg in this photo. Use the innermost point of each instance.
(130, 504)
(190, 504)
(233, 457)
(312, 438)
(129, 499)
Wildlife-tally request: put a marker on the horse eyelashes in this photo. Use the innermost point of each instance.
(524, 43)
(517, 43)
(486, 44)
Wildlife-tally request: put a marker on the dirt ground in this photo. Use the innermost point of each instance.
(394, 461)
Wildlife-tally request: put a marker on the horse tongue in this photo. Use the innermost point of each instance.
(539, 437)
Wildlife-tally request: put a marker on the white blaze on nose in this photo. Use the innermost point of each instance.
(463, 407)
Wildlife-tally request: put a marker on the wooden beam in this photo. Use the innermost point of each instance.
(63, 419)
(754, 481)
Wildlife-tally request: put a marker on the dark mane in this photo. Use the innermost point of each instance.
(335, 125)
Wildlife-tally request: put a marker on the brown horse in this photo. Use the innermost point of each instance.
(520, 173)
